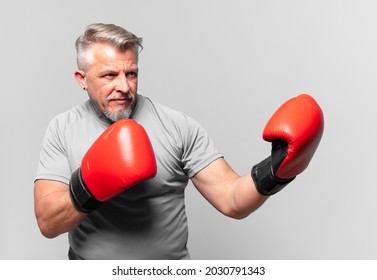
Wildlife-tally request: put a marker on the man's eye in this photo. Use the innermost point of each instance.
(109, 75)
(132, 74)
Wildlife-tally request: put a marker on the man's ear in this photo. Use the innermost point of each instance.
(81, 79)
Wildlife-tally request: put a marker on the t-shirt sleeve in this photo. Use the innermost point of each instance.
(198, 148)
(53, 161)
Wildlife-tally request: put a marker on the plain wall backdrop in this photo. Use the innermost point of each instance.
(229, 65)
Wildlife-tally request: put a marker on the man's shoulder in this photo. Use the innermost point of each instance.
(73, 115)
(177, 124)
(164, 111)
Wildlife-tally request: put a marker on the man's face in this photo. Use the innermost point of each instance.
(111, 80)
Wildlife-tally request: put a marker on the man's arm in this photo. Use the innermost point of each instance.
(233, 195)
(123, 146)
(53, 208)
(295, 131)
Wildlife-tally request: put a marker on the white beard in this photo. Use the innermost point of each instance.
(116, 116)
(120, 112)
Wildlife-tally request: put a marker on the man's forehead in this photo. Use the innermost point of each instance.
(106, 53)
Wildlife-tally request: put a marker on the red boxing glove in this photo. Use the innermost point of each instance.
(121, 157)
(295, 131)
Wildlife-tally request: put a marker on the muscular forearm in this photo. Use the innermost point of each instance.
(244, 197)
(233, 195)
(54, 210)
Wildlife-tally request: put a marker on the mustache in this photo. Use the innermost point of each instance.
(127, 96)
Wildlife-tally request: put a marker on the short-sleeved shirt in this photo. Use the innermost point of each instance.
(147, 221)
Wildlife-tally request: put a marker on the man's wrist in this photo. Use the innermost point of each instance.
(81, 197)
(264, 179)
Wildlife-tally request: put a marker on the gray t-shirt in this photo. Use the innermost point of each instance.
(148, 221)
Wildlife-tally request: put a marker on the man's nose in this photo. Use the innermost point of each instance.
(122, 84)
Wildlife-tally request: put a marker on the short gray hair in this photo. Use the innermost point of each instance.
(105, 33)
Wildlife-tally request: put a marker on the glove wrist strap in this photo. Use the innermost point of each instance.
(81, 197)
(264, 179)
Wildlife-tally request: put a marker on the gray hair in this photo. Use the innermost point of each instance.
(105, 33)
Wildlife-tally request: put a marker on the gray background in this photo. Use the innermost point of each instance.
(228, 64)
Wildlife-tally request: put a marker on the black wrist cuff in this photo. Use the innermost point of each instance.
(81, 197)
(265, 180)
